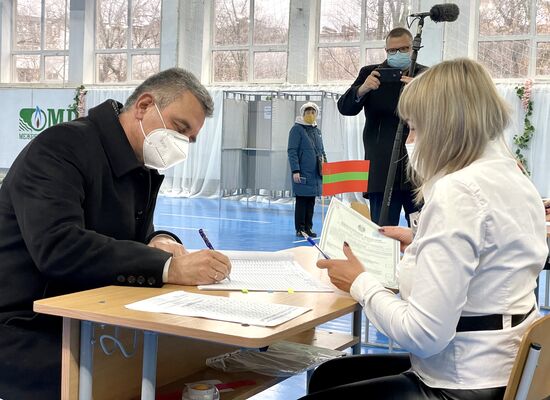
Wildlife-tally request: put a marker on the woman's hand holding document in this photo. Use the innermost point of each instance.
(372, 251)
(399, 233)
(342, 273)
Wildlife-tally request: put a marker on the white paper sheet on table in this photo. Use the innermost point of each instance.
(219, 308)
(267, 271)
(378, 253)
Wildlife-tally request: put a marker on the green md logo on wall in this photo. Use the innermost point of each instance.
(32, 121)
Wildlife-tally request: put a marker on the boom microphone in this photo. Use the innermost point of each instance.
(441, 13)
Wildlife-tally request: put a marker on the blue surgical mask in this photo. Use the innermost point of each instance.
(399, 60)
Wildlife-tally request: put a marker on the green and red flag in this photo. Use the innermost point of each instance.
(345, 176)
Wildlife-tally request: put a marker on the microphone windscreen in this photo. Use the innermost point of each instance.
(444, 12)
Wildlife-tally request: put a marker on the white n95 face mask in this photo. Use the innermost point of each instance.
(410, 152)
(163, 148)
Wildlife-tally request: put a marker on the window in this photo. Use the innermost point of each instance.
(352, 32)
(41, 37)
(127, 40)
(514, 39)
(250, 41)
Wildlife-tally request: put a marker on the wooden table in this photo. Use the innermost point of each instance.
(186, 341)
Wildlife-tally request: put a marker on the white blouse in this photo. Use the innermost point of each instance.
(480, 244)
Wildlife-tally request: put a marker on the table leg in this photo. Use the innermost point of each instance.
(86, 361)
(149, 373)
(546, 291)
(356, 330)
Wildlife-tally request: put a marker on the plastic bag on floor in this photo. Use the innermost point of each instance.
(280, 359)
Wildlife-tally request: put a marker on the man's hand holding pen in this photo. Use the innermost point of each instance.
(209, 245)
(199, 268)
(342, 273)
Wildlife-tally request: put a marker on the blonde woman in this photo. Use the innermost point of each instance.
(467, 278)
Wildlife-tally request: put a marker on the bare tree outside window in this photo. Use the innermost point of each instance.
(112, 24)
(271, 22)
(270, 65)
(127, 43)
(56, 25)
(543, 59)
(234, 49)
(344, 36)
(28, 24)
(230, 66)
(144, 65)
(41, 37)
(543, 17)
(231, 22)
(111, 67)
(543, 28)
(382, 16)
(27, 68)
(146, 24)
(507, 35)
(338, 63)
(340, 21)
(56, 67)
(505, 59)
(504, 17)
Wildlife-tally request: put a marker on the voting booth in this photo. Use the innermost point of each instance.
(255, 132)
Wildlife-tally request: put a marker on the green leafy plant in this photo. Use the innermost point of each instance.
(77, 106)
(522, 141)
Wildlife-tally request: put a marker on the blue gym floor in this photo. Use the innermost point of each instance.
(251, 225)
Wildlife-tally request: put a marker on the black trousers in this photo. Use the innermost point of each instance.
(399, 199)
(303, 213)
(382, 376)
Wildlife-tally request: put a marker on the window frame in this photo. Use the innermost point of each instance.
(128, 51)
(42, 52)
(532, 38)
(363, 44)
(250, 47)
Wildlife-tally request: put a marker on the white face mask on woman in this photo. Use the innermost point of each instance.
(163, 148)
(410, 152)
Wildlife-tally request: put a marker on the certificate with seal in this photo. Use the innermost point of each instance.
(378, 253)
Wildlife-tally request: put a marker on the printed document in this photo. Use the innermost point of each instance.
(219, 308)
(269, 272)
(378, 253)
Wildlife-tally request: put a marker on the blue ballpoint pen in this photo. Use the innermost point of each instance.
(209, 245)
(312, 242)
(205, 239)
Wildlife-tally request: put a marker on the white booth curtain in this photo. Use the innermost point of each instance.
(199, 176)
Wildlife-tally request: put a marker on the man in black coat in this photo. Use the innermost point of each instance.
(379, 102)
(76, 212)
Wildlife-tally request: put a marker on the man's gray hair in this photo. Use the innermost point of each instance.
(166, 86)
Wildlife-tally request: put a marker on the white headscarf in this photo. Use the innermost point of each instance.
(300, 118)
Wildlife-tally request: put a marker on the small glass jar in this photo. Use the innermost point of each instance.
(200, 391)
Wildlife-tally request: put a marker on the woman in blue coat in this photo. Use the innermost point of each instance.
(305, 155)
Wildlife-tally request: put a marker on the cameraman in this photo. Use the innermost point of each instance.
(379, 102)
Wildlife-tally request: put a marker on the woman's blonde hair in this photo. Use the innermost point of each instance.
(455, 109)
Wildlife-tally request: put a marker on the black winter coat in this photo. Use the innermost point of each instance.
(76, 209)
(380, 108)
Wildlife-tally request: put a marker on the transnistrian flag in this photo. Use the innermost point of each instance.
(345, 176)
